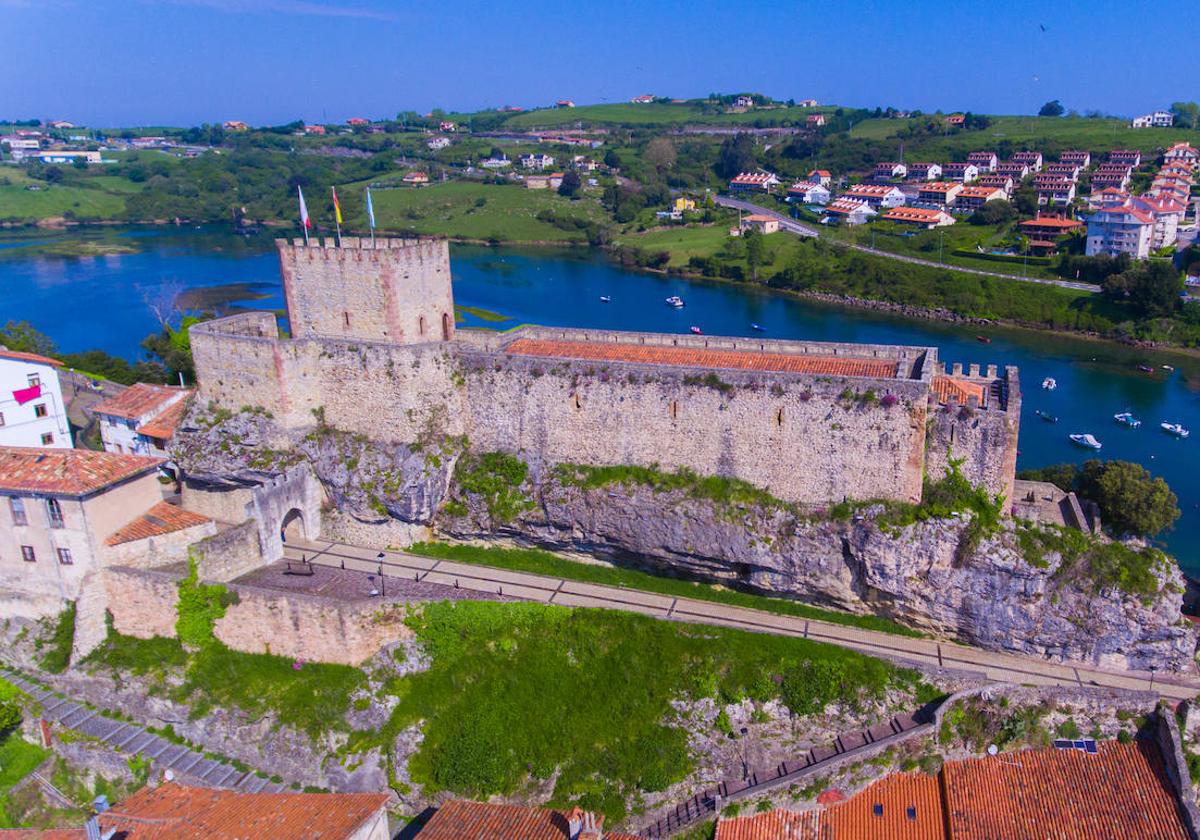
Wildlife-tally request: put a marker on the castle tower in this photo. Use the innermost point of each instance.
(396, 291)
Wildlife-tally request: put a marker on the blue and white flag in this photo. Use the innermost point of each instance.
(370, 210)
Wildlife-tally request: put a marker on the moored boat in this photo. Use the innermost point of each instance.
(1049, 383)
(1176, 429)
(983, 339)
(1127, 419)
(697, 331)
(758, 328)
(1049, 418)
(1086, 441)
(605, 299)
(675, 301)
(1145, 369)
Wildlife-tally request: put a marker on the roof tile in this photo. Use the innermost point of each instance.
(163, 518)
(69, 472)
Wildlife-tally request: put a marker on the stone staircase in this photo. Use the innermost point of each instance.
(130, 739)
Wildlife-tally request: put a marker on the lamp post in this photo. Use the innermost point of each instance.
(382, 579)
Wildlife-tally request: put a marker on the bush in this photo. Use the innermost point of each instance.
(1131, 500)
(58, 654)
(10, 717)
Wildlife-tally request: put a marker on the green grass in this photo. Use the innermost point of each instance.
(55, 653)
(683, 243)
(21, 205)
(508, 212)
(18, 758)
(656, 113)
(553, 565)
(517, 694)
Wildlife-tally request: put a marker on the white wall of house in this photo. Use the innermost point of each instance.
(1113, 237)
(31, 423)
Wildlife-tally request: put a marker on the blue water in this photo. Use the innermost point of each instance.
(98, 302)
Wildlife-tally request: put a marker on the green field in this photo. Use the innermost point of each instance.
(470, 210)
(682, 242)
(93, 198)
(654, 113)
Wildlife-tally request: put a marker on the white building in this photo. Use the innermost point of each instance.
(1120, 230)
(141, 419)
(876, 195)
(960, 171)
(436, 143)
(924, 171)
(537, 161)
(808, 192)
(848, 211)
(32, 412)
(1159, 119)
(496, 163)
(888, 170)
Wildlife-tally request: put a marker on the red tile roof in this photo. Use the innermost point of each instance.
(918, 215)
(68, 472)
(947, 387)
(462, 820)
(19, 356)
(706, 357)
(163, 518)
(138, 400)
(163, 426)
(1052, 222)
(773, 825)
(870, 190)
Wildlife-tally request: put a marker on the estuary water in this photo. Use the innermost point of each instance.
(102, 302)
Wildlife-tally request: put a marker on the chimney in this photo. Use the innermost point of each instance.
(584, 825)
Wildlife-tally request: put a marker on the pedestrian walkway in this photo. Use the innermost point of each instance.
(131, 739)
(1000, 667)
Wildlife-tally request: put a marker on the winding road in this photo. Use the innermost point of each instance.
(1001, 667)
(792, 226)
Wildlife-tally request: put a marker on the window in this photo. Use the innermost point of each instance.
(39, 410)
(27, 554)
(1, 418)
(18, 511)
(47, 439)
(54, 511)
(34, 379)
(64, 556)
(346, 319)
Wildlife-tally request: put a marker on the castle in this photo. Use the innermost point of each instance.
(373, 348)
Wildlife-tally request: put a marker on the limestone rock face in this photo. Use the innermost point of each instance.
(989, 596)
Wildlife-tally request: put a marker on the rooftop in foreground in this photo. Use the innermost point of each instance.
(706, 357)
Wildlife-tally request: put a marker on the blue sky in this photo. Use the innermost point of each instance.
(182, 62)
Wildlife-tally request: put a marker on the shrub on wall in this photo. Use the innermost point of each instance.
(57, 651)
(200, 606)
(497, 478)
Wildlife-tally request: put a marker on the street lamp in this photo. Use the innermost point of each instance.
(382, 579)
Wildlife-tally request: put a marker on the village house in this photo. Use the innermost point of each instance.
(496, 163)
(537, 160)
(545, 181)
(754, 182)
(67, 156)
(971, 197)
(584, 164)
(939, 192)
(60, 124)
(815, 120)
(17, 143)
(1077, 157)
(1108, 197)
(1054, 190)
(141, 420)
(1045, 232)
(959, 171)
(1062, 170)
(984, 161)
(1182, 152)
(924, 171)
(821, 176)
(415, 179)
(314, 129)
(1033, 160)
(1126, 157)
(1111, 175)
(358, 121)
(447, 126)
(1168, 214)
(956, 120)
(1158, 119)
(436, 143)
(235, 125)
(644, 99)
(1004, 182)
(743, 102)
(32, 412)
(876, 195)
(848, 211)
(564, 103)
(808, 192)
(1178, 188)
(1013, 169)
(460, 819)
(1120, 230)
(889, 170)
(806, 103)
(924, 217)
(761, 223)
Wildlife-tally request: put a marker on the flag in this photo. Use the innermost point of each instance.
(337, 207)
(370, 210)
(304, 221)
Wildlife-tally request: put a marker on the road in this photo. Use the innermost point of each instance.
(792, 226)
(1001, 667)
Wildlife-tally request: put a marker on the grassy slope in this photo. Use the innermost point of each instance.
(449, 209)
(93, 198)
(546, 563)
(652, 113)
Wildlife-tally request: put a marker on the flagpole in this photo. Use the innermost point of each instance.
(303, 215)
(371, 217)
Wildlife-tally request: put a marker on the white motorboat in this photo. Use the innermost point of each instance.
(1049, 384)
(605, 299)
(1086, 441)
(675, 301)
(1174, 429)
(1127, 419)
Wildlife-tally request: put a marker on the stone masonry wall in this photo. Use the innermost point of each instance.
(142, 601)
(229, 554)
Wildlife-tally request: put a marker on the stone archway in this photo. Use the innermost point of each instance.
(292, 529)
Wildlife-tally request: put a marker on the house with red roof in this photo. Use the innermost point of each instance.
(358, 121)
(314, 129)
(1033, 160)
(1045, 232)
(815, 120)
(141, 420)
(939, 192)
(972, 196)
(754, 182)
(1182, 151)
(889, 170)
(463, 820)
(876, 195)
(924, 217)
(808, 192)
(821, 176)
(1013, 169)
(1004, 182)
(1117, 230)
(1126, 157)
(960, 171)
(1078, 157)
(32, 412)
(1112, 175)
(1054, 189)
(924, 171)
(984, 161)
(848, 211)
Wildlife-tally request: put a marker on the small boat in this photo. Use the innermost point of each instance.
(605, 299)
(1049, 384)
(1127, 419)
(1049, 418)
(675, 301)
(1174, 429)
(1145, 369)
(697, 331)
(1086, 441)
(758, 328)
(1167, 368)
(983, 339)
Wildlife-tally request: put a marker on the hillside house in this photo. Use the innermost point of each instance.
(564, 103)
(537, 160)
(876, 195)
(1168, 214)
(496, 163)
(141, 420)
(939, 192)
(847, 211)
(760, 222)
(415, 179)
(984, 161)
(1178, 188)
(1045, 232)
(923, 217)
(821, 176)
(1182, 152)
(1062, 170)
(1111, 175)
(1126, 157)
(1004, 182)
(584, 164)
(1108, 197)
(971, 197)
(644, 99)
(754, 182)
(806, 103)
(317, 130)
(32, 412)
(924, 171)
(889, 170)
(1017, 171)
(1078, 157)
(960, 171)
(1158, 119)
(447, 126)
(67, 156)
(436, 143)
(358, 121)
(460, 819)
(808, 192)
(683, 204)
(1054, 190)
(1120, 230)
(1033, 160)
(744, 102)
(815, 120)
(956, 120)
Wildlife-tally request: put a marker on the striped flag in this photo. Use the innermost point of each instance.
(304, 220)
(337, 207)
(370, 210)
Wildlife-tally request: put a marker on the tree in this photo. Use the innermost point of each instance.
(755, 250)
(570, 184)
(1053, 108)
(1025, 198)
(1131, 500)
(10, 717)
(1153, 288)
(736, 156)
(612, 160)
(660, 153)
(995, 212)
(22, 337)
(1187, 114)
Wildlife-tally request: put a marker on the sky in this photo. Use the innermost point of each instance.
(185, 62)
